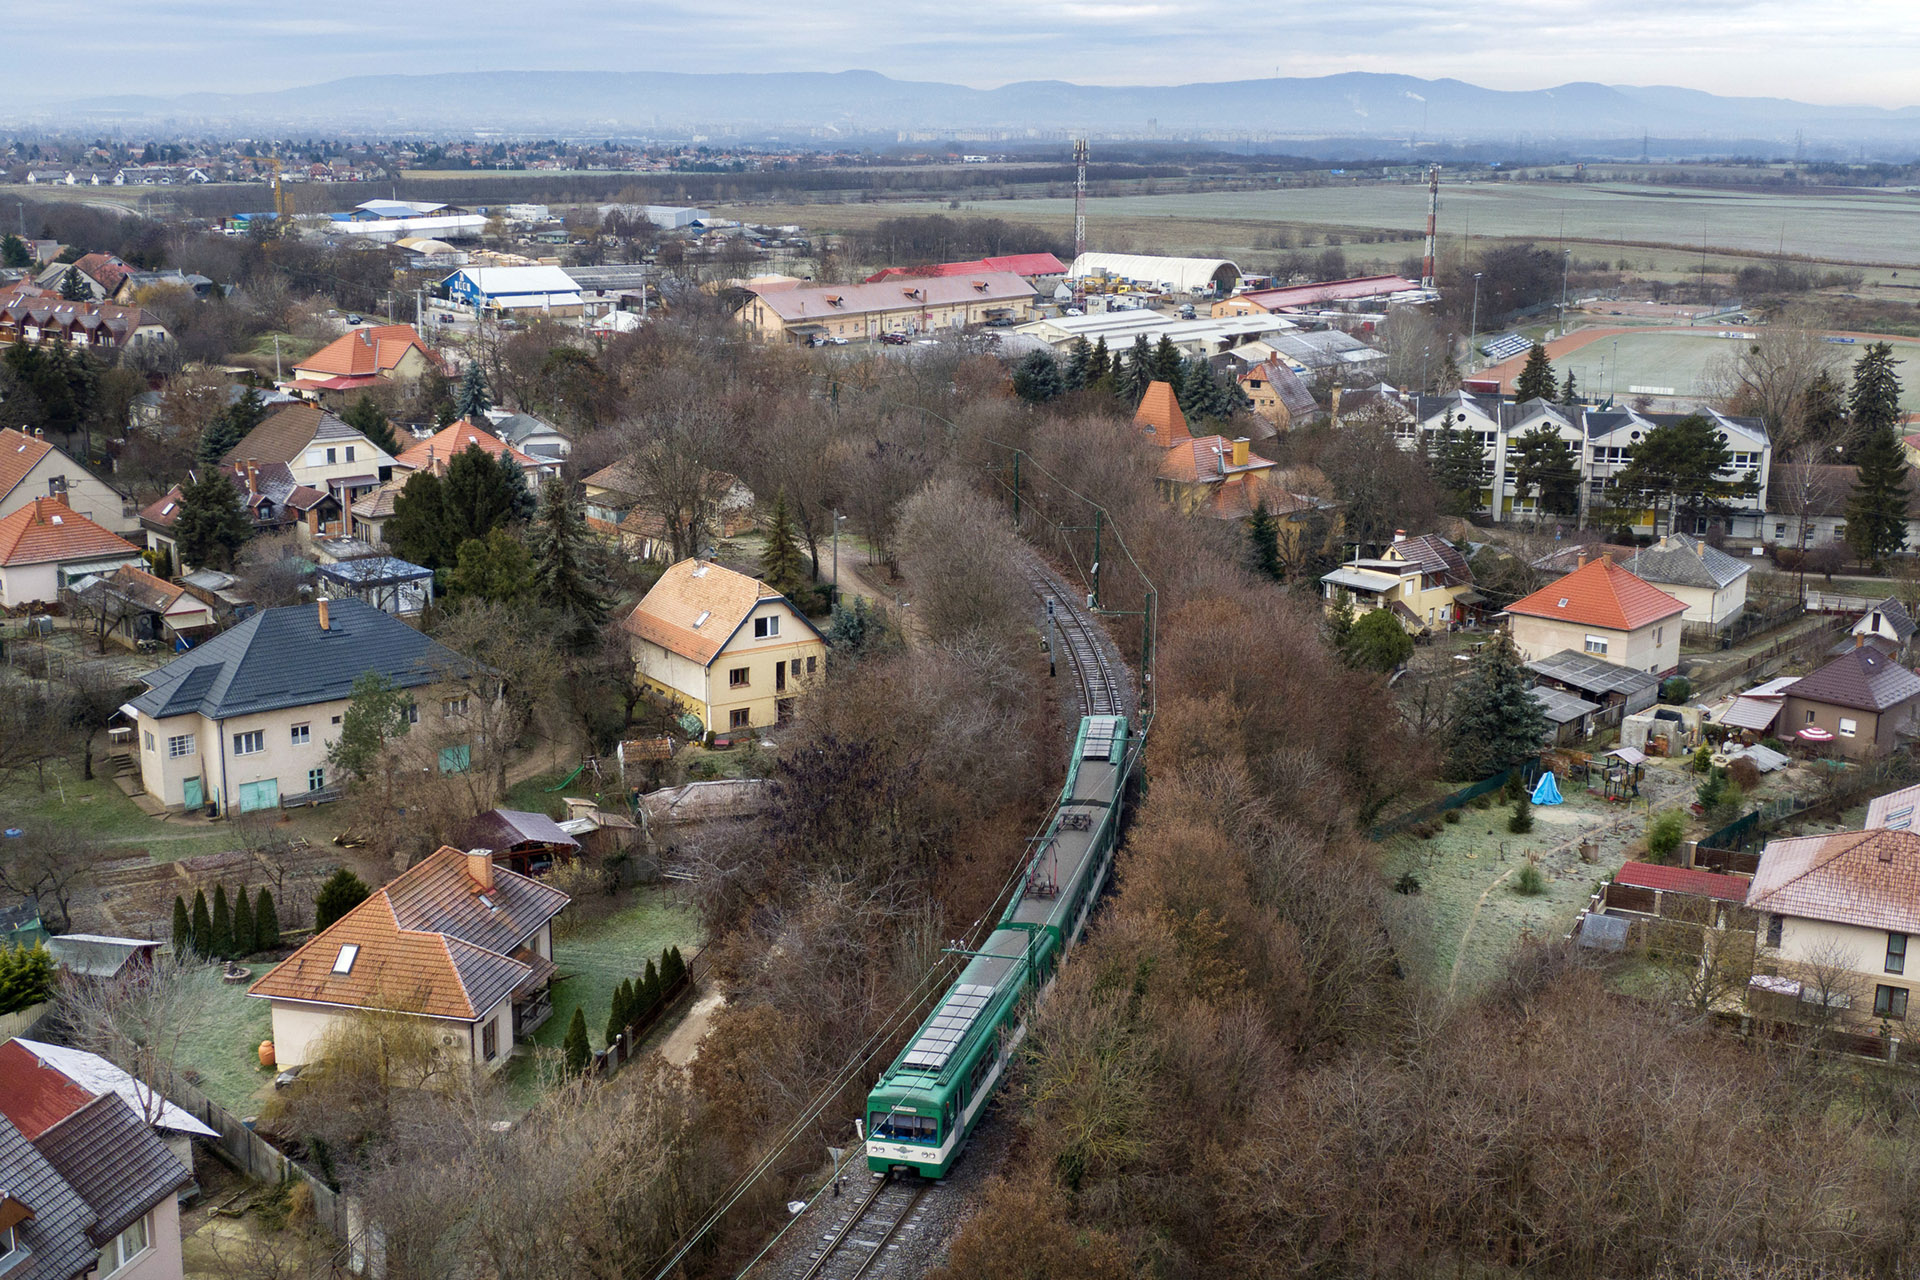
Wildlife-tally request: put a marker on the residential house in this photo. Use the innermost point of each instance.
(363, 358)
(1032, 266)
(726, 647)
(103, 272)
(1894, 810)
(371, 511)
(1753, 711)
(136, 608)
(36, 316)
(321, 452)
(1601, 610)
(616, 508)
(1860, 701)
(920, 304)
(70, 1078)
(31, 468)
(46, 545)
(1807, 506)
(1837, 912)
(1711, 583)
(272, 499)
(1424, 580)
(457, 941)
(245, 720)
(437, 450)
(1213, 473)
(1279, 395)
(87, 1191)
(535, 437)
(1887, 626)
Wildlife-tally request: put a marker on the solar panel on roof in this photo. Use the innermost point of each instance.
(1900, 819)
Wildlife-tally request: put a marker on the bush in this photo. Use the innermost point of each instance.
(1521, 821)
(1664, 833)
(1529, 881)
(1676, 689)
(575, 1050)
(26, 977)
(1451, 817)
(342, 892)
(1408, 883)
(1702, 758)
(1483, 801)
(1745, 774)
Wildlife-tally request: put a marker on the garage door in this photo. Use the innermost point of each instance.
(259, 795)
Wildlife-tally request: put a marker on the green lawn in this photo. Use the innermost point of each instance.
(222, 1049)
(594, 960)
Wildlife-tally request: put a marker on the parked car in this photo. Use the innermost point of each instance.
(895, 339)
(354, 320)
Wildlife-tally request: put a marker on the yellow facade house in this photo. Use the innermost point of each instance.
(727, 647)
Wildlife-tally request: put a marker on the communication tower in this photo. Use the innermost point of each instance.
(1433, 220)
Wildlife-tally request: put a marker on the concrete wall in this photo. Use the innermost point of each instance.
(1654, 648)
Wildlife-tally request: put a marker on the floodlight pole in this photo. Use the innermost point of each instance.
(1473, 325)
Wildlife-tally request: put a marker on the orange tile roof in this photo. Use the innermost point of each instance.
(48, 529)
(1865, 878)
(1601, 594)
(33, 1095)
(1204, 460)
(696, 607)
(373, 350)
(19, 454)
(433, 453)
(1159, 413)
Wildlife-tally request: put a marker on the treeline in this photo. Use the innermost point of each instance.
(229, 931)
(938, 238)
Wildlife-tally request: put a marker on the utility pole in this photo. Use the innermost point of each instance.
(1473, 326)
(1079, 216)
(1566, 265)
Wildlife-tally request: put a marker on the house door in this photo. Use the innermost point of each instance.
(259, 795)
(191, 794)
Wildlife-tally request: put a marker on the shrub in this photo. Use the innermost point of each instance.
(182, 928)
(1702, 758)
(221, 946)
(266, 923)
(342, 892)
(1529, 881)
(1676, 689)
(1483, 801)
(1521, 821)
(1451, 817)
(1664, 832)
(244, 943)
(1745, 774)
(202, 926)
(1408, 883)
(26, 977)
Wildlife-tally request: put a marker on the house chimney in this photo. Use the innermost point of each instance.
(1241, 446)
(1583, 559)
(1859, 640)
(480, 869)
(1700, 549)
(1399, 535)
(253, 476)
(325, 624)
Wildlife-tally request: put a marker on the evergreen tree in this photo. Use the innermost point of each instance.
(1497, 722)
(182, 929)
(266, 923)
(1079, 360)
(365, 416)
(475, 498)
(1543, 467)
(623, 996)
(1166, 362)
(418, 530)
(1877, 508)
(575, 1051)
(1377, 642)
(1263, 539)
(1521, 820)
(497, 568)
(1456, 469)
(1036, 379)
(1536, 380)
(341, 893)
(472, 400)
(1873, 406)
(1570, 393)
(1449, 375)
(220, 945)
(522, 502)
(376, 714)
(202, 926)
(674, 966)
(1824, 418)
(615, 1023)
(210, 525)
(1132, 374)
(74, 287)
(1100, 367)
(1340, 619)
(14, 252)
(563, 571)
(1677, 467)
(243, 936)
(647, 993)
(781, 566)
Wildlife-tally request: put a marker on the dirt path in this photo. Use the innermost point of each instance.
(683, 1043)
(1460, 951)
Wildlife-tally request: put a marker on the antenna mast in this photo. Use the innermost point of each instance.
(1433, 220)
(1079, 196)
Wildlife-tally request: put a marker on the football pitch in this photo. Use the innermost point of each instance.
(1684, 366)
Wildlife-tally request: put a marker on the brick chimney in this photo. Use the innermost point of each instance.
(253, 476)
(325, 622)
(1700, 549)
(480, 869)
(1583, 559)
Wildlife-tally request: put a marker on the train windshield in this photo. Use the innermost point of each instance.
(893, 1126)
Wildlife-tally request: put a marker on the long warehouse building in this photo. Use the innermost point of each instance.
(921, 304)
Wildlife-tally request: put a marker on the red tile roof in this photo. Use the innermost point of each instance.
(19, 454)
(1021, 264)
(1705, 884)
(104, 269)
(1601, 594)
(49, 529)
(33, 1095)
(1159, 414)
(436, 451)
(374, 350)
(1207, 460)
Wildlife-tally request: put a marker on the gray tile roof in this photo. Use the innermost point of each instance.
(1684, 561)
(437, 896)
(281, 658)
(114, 1160)
(1862, 679)
(57, 1232)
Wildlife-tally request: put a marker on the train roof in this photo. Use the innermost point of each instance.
(942, 1037)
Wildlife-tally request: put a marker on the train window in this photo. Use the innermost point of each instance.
(895, 1127)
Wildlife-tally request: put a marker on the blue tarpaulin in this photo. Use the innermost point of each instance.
(1548, 792)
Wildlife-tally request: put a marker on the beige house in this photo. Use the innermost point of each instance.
(46, 544)
(31, 468)
(244, 721)
(1836, 916)
(913, 305)
(1711, 583)
(321, 453)
(727, 647)
(1602, 610)
(1424, 580)
(457, 940)
(1860, 702)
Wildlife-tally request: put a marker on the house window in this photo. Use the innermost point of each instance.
(413, 713)
(336, 719)
(1890, 1002)
(1896, 953)
(796, 668)
(766, 628)
(1780, 529)
(128, 1245)
(1809, 717)
(1596, 644)
(302, 734)
(455, 707)
(456, 759)
(349, 453)
(739, 718)
(779, 677)
(180, 745)
(1659, 633)
(737, 678)
(330, 457)
(249, 744)
(1839, 533)
(1848, 727)
(490, 1040)
(1776, 925)
(148, 735)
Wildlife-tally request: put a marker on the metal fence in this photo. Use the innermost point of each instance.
(1845, 788)
(1529, 774)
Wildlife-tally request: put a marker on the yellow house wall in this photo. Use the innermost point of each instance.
(759, 657)
(1654, 648)
(1805, 944)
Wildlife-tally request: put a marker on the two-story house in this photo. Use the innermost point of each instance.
(320, 452)
(1602, 611)
(1423, 579)
(272, 499)
(1711, 583)
(456, 940)
(1837, 915)
(363, 358)
(726, 647)
(245, 719)
(437, 450)
(31, 468)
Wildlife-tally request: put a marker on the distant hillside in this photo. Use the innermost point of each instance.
(865, 103)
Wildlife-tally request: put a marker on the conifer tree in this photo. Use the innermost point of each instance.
(1521, 820)
(266, 923)
(780, 563)
(616, 1025)
(340, 893)
(202, 926)
(1133, 373)
(1100, 367)
(221, 945)
(672, 968)
(1877, 508)
(648, 992)
(74, 287)
(575, 1050)
(522, 503)
(243, 934)
(1570, 393)
(1340, 619)
(623, 1001)
(1536, 380)
(364, 416)
(563, 571)
(1079, 360)
(210, 525)
(1166, 361)
(472, 400)
(1263, 539)
(1036, 379)
(1874, 403)
(182, 929)
(1498, 723)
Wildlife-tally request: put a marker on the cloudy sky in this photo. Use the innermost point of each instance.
(1861, 51)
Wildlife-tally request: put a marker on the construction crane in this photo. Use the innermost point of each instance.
(1433, 220)
(282, 202)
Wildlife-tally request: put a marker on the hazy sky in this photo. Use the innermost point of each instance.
(1826, 51)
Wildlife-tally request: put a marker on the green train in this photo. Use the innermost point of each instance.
(920, 1112)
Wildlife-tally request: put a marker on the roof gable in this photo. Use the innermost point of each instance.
(436, 451)
(697, 606)
(365, 352)
(1684, 561)
(1600, 594)
(20, 453)
(1159, 415)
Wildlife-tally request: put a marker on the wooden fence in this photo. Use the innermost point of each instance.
(1758, 666)
(1734, 862)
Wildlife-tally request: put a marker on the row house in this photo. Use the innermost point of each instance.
(1601, 441)
(40, 317)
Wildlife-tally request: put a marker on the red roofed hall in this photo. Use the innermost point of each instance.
(48, 544)
(1605, 612)
(1030, 265)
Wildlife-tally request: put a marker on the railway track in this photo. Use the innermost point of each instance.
(856, 1247)
(1100, 677)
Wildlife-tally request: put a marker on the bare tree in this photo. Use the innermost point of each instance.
(51, 863)
(143, 1022)
(675, 457)
(1771, 377)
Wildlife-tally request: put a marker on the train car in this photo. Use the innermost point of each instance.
(920, 1112)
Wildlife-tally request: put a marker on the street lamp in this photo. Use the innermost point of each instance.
(1565, 267)
(1473, 326)
(837, 518)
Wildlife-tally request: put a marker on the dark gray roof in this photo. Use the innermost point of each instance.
(1590, 674)
(57, 1231)
(281, 658)
(1862, 679)
(504, 828)
(1562, 707)
(1684, 561)
(115, 1161)
(1895, 615)
(442, 899)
